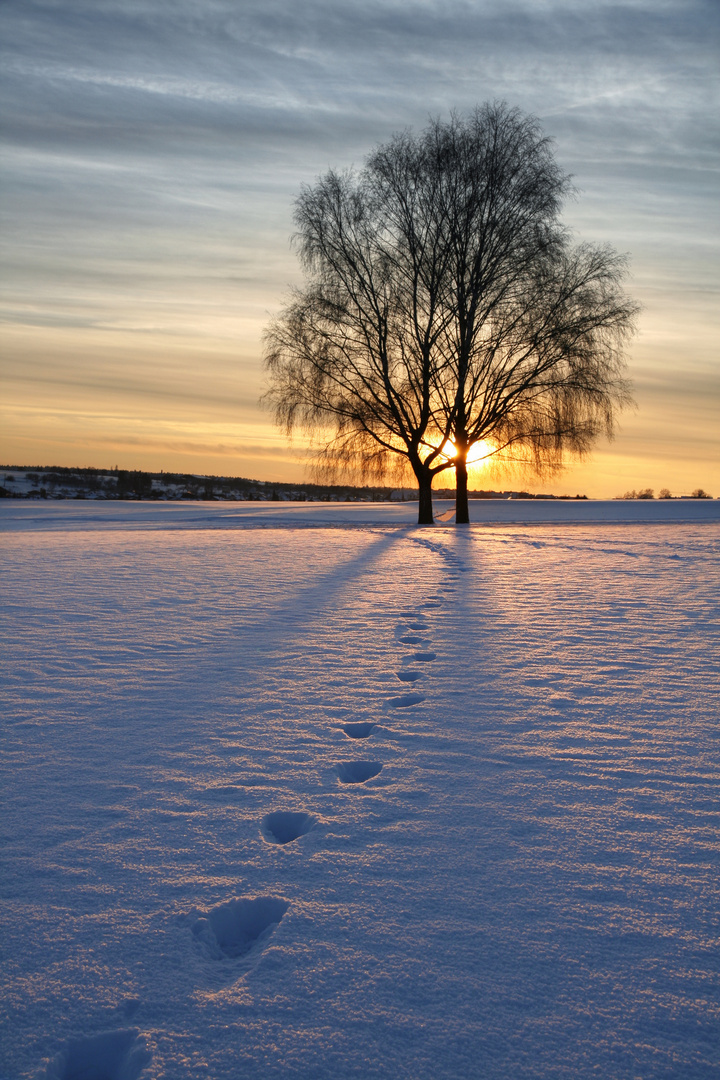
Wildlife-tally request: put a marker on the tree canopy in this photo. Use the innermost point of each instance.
(446, 306)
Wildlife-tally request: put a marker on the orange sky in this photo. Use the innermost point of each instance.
(149, 179)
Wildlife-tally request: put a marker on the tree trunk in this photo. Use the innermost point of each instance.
(425, 510)
(462, 512)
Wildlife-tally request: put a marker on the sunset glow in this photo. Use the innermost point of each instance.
(478, 453)
(150, 168)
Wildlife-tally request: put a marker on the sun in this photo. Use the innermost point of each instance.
(478, 454)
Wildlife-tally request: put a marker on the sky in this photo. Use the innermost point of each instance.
(152, 151)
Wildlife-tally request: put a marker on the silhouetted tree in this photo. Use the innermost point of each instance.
(357, 348)
(446, 306)
(133, 484)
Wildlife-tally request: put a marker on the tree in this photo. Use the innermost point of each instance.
(358, 348)
(446, 307)
(133, 483)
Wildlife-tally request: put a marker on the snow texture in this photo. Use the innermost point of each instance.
(254, 826)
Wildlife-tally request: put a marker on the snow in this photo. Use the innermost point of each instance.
(309, 792)
(19, 514)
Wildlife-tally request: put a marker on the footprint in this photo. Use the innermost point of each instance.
(113, 1055)
(417, 626)
(232, 930)
(405, 701)
(357, 772)
(423, 657)
(409, 676)
(411, 639)
(284, 826)
(359, 730)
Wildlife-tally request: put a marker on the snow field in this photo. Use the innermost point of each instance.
(361, 802)
(65, 516)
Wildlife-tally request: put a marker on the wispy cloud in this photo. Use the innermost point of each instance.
(152, 150)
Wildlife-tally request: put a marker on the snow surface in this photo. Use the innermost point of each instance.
(19, 514)
(358, 800)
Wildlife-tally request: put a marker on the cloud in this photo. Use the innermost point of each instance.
(153, 148)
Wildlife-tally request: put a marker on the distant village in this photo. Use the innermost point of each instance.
(51, 482)
(57, 482)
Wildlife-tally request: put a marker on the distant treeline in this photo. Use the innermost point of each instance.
(60, 482)
(665, 493)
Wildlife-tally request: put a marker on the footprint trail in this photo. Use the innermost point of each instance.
(233, 930)
(284, 826)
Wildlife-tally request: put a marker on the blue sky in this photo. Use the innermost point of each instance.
(152, 152)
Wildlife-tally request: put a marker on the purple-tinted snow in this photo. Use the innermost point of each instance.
(234, 847)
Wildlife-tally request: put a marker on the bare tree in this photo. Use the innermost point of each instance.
(357, 349)
(446, 307)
